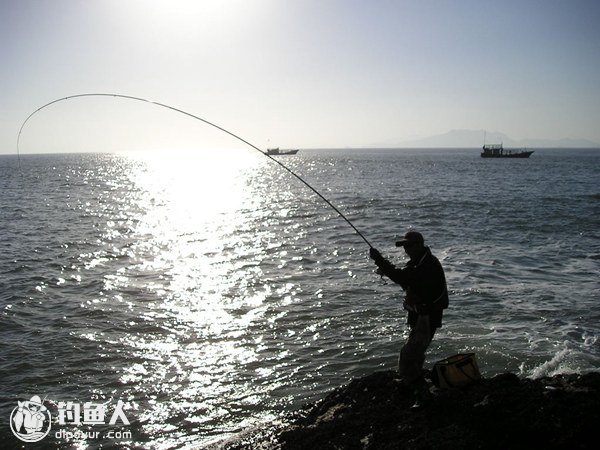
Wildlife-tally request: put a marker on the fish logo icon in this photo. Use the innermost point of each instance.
(30, 420)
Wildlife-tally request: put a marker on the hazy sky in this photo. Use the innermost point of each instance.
(297, 73)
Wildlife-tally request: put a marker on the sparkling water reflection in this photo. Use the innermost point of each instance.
(200, 233)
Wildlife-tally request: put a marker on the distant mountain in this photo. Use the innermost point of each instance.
(475, 139)
(558, 143)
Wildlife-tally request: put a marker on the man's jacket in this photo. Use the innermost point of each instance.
(424, 281)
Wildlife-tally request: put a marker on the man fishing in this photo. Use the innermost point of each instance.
(424, 283)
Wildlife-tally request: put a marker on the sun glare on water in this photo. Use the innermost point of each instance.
(188, 249)
(194, 205)
(193, 188)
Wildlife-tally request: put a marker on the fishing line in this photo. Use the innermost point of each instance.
(162, 105)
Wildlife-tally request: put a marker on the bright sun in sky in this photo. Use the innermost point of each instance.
(183, 19)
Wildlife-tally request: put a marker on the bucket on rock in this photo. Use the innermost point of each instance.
(456, 371)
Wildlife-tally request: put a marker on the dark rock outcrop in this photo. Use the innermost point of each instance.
(503, 412)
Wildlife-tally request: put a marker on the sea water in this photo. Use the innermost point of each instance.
(208, 292)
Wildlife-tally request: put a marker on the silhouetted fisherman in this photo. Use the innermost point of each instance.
(424, 283)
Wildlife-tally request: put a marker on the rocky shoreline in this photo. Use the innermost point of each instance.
(502, 412)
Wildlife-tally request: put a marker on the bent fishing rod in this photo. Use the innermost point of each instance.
(193, 116)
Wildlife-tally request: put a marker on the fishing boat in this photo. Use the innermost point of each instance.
(276, 151)
(498, 151)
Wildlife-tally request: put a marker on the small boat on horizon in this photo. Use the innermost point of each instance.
(498, 151)
(276, 151)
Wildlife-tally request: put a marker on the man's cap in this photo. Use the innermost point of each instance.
(410, 238)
